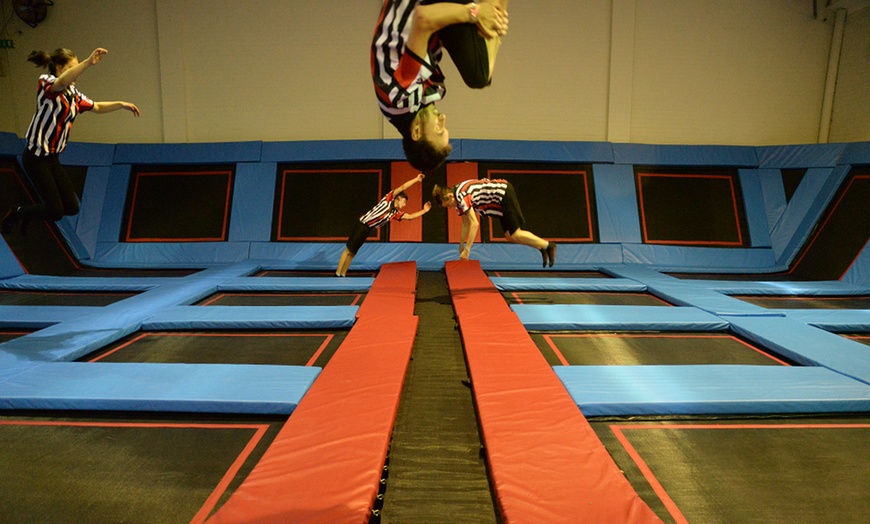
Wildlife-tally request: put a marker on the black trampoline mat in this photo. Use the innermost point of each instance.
(583, 297)
(807, 302)
(10, 297)
(548, 274)
(798, 470)
(133, 470)
(10, 334)
(301, 348)
(282, 299)
(628, 349)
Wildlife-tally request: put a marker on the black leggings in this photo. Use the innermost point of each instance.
(54, 187)
(467, 49)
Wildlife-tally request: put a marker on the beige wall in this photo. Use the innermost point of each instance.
(648, 71)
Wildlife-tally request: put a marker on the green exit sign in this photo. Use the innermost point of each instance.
(7, 44)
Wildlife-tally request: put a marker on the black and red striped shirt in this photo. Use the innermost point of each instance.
(51, 125)
(382, 213)
(484, 196)
(404, 82)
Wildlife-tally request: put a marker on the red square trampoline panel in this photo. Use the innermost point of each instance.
(695, 209)
(179, 205)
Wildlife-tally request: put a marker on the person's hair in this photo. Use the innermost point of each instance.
(401, 195)
(59, 58)
(422, 156)
(441, 194)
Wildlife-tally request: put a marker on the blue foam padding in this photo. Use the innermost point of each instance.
(10, 144)
(806, 206)
(859, 273)
(169, 254)
(567, 284)
(856, 153)
(711, 390)
(36, 317)
(834, 320)
(91, 211)
(53, 283)
(332, 151)
(88, 154)
(192, 153)
(680, 155)
(535, 151)
(296, 284)
(616, 204)
(805, 344)
(799, 156)
(253, 317)
(197, 388)
(753, 205)
(785, 288)
(678, 258)
(9, 266)
(573, 317)
(113, 204)
(773, 196)
(253, 200)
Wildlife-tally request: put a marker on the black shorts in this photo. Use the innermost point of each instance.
(467, 49)
(358, 237)
(512, 217)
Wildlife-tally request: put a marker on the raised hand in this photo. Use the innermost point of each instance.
(97, 55)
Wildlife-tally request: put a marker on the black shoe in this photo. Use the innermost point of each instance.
(544, 255)
(9, 220)
(551, 253)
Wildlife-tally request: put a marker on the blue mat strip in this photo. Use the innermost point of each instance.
(572, 317)
(252, 317)
(711, 390)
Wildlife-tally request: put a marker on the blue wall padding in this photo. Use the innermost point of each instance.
(253, 200)
(90, 215)
(805, 344)
(113, 204)
(679, 155)
(9, 266)
(296, 284)
(753, 204)
(333, 151)
(88, 154)
(773, 196)
(857, 153)
(252, 317)
(536, 151)
(804, 209)
(567, 284)
(682, 258)
(859, 272)
(169, 254)
(784, 287)
(834, 320)
(799, 156)
(572, 317)
(10, 144)
(37, 317)
(209, 153)
(198, 388)
(616, 204)
(711, 390)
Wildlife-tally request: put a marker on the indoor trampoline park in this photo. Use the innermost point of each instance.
(697, 353)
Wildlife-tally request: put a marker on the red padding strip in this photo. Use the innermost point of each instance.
(326, 462)
(546, 462)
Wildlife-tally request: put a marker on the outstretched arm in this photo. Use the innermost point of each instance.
(69, 76)
(408, 184)
(470, 225)
(108, 107)
(411, 216)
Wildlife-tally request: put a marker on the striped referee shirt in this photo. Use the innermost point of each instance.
(484, 196)
(382, 213)
(404, 82)
(49, 130)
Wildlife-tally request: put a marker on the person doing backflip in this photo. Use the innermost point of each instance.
(389, 208)
(491, 197)
(409, 40)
